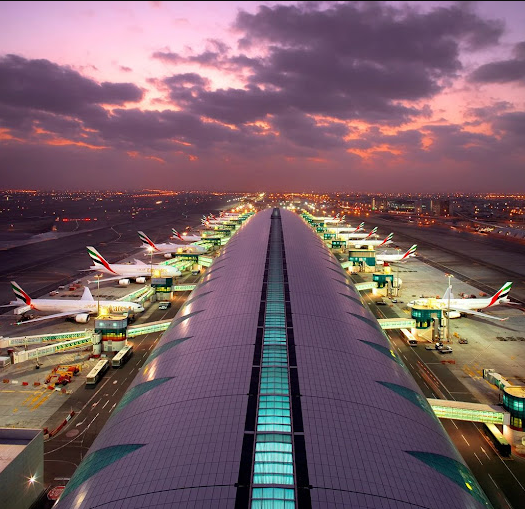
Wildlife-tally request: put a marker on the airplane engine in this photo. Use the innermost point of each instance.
(123, 282)
(453, 314)
(140, 280)
(167, 255)
(82, 318)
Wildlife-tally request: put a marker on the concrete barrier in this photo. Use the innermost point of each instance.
(61, 425)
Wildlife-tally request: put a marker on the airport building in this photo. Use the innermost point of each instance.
(21, 467)
(274, 387)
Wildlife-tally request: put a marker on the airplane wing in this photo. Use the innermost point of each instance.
(478, 313)
(56, 315)
(114, 278)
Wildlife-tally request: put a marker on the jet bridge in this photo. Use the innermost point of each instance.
(473, 412)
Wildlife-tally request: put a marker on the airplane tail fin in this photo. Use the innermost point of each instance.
(501, 293)
(176, 234)
(147, 241)
(410, 252)
(388, 238)
(372, 232)
(87, 295)
(99, 260)
(448, 293)
(359, 227)
(20, 294)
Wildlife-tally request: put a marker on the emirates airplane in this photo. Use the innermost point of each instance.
(355, 235)
(170, 249)
(80, 309)
(381, 258)
(139, 271)
(458, 307)
(370, 242)
(186, 237)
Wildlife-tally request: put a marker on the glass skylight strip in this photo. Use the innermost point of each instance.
(273, 465)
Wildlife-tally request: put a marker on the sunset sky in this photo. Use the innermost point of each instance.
(263, 96)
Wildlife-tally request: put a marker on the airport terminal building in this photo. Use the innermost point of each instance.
(274, 387)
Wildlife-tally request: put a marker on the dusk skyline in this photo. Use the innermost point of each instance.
(269, 96)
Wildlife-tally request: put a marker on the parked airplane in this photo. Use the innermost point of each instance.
(381, 258)
(138, 271)
(186, 237)
(459, 307)
(80, 309)
(170, 249)
(343, 228)
(370, 242)
(329, 219)
(215, 221)
(355, 235)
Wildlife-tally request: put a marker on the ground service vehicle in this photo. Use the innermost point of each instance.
(164, 305)
(122, 356)
(497, 438)
(97, 372)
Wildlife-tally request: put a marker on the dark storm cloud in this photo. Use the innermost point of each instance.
(513, 124)
(350, 61)
(43, 85)
(302, 130)
(372, 31)
(134, 129)
(503, 71)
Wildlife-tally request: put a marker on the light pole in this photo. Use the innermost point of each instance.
(449, 291)
(150, 249)
(98, 276)
(396, 276)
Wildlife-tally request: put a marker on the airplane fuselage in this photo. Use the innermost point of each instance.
(473, 304)
(175, 249)
(82, 306)
(139, 270)
(367, 242)
(392, 257)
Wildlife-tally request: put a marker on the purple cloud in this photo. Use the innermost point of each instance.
(43, 85)
(503, 71)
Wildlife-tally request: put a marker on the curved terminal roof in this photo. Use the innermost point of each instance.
(362, 432)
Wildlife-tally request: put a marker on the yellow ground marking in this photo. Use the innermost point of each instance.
(34, 397)
(15, 410)
(43, 400)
